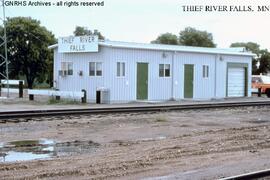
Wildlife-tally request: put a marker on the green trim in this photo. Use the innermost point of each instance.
(188, 80)
(246, 81)
(238, 65)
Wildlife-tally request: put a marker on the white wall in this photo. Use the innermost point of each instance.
(222, 72)
(123, 89)
(81, 63)
(203, 88)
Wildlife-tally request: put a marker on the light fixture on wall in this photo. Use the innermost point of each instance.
(164, 55)
(221, 58)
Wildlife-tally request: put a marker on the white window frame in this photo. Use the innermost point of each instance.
(95, 69)
(205, 71)
(66, 67)
(122, 71)
(164, 71)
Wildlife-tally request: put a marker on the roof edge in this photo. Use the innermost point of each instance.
(184, 50)
(162, 47)
(53, 46)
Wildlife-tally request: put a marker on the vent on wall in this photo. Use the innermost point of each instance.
(80, 73)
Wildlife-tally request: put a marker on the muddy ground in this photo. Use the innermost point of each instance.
(204, 144)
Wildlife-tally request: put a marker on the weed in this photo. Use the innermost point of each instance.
(52, 100)
(161, 119)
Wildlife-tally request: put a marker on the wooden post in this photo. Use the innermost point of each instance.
(20, 89)
(57, 97)
(84, 96)
(31, 97)
(259, 92)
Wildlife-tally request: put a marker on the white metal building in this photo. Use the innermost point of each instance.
(136, 71)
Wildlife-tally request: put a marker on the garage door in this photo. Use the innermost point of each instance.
(236, 82)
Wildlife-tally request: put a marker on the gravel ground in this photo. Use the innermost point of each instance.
(202, 144)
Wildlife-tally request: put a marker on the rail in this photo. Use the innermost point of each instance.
(252, 175)
(126, 109)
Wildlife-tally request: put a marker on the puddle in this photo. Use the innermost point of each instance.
(153, 139)
(42, 149)
(259, 121)
(12, 156)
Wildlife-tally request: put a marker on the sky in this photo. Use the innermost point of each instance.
(144, 20)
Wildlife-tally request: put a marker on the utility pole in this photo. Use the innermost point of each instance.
(3, 45)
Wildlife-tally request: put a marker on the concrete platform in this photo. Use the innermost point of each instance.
(15, 104)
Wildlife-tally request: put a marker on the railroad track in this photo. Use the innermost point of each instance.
(252, 175)
(130, 109)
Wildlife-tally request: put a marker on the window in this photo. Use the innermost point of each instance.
(98, 69)
(95, 69)
(120, 69)
(67, 68)
(92, 69)
(164, 70)
(205, 71)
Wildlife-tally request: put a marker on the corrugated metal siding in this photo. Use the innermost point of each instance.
(236, 82)
(123, 89)
(222, 73)
(203, 88)
(81, 63)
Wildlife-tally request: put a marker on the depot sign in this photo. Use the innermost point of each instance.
(78, 44)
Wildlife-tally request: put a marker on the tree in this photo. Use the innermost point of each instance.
(84, 31)
(264, 62)
(250, 46)
(254, 48)
(28, 51)
(192, 37)
(167, 38)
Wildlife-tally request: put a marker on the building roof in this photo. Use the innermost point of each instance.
(175, 48)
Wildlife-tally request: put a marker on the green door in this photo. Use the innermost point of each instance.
(142, 81)
(188, 82)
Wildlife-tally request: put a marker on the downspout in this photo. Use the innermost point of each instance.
(56, 69)
(215, 88)
(172, 88)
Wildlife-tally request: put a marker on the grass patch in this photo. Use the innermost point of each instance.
(161, 119)
(42, 86)
(53, 100)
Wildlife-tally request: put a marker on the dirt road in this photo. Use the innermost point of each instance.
(205, 144)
